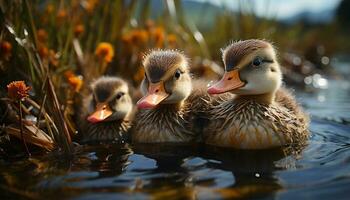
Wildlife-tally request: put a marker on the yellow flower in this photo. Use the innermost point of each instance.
(17, 90)
(105, 51)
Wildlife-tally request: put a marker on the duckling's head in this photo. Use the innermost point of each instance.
(167, 79)
(251, 68)
(109, 101)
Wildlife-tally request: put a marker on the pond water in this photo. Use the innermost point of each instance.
(320, 171)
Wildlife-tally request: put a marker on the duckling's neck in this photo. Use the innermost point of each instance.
(267, 98)
(176, 106)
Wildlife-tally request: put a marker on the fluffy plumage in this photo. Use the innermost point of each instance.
(113, 92)
(115, 131)
(260, 114)
(248, 124)
(177, 118)
(236, 51)
(158, 62)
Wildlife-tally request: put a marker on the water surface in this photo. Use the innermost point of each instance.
(320, 171)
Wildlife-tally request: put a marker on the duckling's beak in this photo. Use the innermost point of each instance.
(156, 94)
(101, 113)
(230, 81)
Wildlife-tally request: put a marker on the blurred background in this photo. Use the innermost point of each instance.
(57, 47)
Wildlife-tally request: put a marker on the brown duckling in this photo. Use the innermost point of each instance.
(262, 114)
(168, 109)
(107, 111)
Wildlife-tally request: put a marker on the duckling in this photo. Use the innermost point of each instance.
(168, 109)
(262, 114)
(107, 112)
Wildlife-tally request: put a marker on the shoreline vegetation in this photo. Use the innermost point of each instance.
(51, 51)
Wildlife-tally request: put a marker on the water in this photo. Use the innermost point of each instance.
(320, 171)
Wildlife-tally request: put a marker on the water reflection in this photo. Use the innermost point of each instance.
(320, 170)
(107, 160)
(207, 171)
(253, 171)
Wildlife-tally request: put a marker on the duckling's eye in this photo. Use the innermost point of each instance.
(177, 74)
(119, 95)
(257, 61)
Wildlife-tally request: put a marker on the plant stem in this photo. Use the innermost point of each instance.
(63, 125)
(21, 128)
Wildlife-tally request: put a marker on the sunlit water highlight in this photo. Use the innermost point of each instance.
(320, 171)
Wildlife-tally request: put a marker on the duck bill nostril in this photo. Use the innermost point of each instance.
(230, 81)
(102, 112)
(156, 94)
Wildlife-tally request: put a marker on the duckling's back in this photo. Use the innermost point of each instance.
(200, 103)
(286, 99)
(249, 124)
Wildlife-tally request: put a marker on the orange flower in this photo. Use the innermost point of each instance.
(61, 15)
(43, 51)
(105, 51)
(158, 34)
(75, 82)
(5, 49)
(50, 8)
(17, 90)
(53, 58)
(139, 37)
(138, 76)
(89, 5)
(149, 24)
(42, 35)
(126, 39)
(78, 30)
(68, 74)
(172, 39)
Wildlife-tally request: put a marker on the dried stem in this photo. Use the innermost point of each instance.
(21, 127)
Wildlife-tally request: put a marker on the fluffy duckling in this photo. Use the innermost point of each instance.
(167, 111)
(261, 114)
(107, 111)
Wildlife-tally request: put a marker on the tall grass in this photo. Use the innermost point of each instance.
(55, 50)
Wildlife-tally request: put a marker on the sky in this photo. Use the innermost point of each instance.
(278, 8)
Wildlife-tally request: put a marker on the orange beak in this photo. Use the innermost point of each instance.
(230, 81)
(101, 113)
(156, 94)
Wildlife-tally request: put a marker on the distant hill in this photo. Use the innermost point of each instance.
(319, 17)
(203, 13)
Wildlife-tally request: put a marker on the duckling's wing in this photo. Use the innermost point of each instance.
(285, 98)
